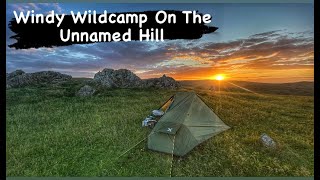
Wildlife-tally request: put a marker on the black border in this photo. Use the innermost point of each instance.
(3, 90)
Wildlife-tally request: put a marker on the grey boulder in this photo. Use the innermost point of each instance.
(121, 78)
(86, 91)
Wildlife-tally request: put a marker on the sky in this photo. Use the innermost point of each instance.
(254, 42)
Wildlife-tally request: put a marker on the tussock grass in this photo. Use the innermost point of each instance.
(50, 132)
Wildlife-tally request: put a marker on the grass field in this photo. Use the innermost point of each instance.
(50, 132)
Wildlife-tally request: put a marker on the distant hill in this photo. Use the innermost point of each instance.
(303, 88)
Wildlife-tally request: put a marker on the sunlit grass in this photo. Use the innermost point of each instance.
(50, 132)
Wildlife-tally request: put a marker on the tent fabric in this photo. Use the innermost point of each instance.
(187, 123)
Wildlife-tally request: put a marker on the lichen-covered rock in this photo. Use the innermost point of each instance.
(121, 78)
(21, 79)
(162, 82)
(86, 91)
(15, 73)
(124, 78)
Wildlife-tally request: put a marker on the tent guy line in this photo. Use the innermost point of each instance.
(133, 146)
(174, 137)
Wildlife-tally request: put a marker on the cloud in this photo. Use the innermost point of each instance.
(38, 7)
(267, 48)
(265, 52)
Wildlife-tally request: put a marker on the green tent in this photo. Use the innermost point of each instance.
(187, 122)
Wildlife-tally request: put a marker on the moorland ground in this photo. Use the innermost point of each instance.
(52, 132)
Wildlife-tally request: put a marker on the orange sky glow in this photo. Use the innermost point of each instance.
(243, 71)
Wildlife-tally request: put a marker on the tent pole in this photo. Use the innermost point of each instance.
(166, 102)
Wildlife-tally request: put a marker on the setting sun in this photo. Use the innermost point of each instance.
(219, 77)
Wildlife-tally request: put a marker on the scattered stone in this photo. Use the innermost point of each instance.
(267, 141)
(86, 91)
(21, 79)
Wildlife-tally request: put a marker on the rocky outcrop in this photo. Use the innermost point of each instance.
(15, 73)
(124, 78)
(19, 78)
(86, 91)
(162, 82)
(121, 78)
